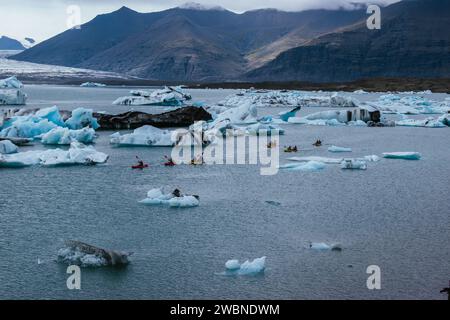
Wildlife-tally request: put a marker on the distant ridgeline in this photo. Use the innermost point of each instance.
(194, 43)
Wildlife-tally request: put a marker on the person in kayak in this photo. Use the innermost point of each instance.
(176, 193)
(140, 162)
(318, 143)
(169, 161)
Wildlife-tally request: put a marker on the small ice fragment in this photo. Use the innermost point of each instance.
(339, 149)
(232, 264)
(402, 155)
(353, 164)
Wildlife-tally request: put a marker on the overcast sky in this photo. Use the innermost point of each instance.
(42, 19)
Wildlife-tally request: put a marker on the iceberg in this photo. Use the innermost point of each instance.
(157, 197)
(426, 123)
(144, 136)
(51, 114)
(26, 127)
(81, 118)
(324, 246)
(65, 136)
(85, 255)
(355, 117)
(12, 97)
(7, 147)
(310, 166)
(317, 159)
(11, 83)
(339, 149)
(169, 96)
(254, 267)
(402, 155)
(78, 154)
(92, 85)
(353, 164)
(289, 114)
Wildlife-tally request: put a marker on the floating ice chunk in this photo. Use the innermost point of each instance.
(244, 114)
(357, 123)
(258, 265)
(324, 246)
(81, 118)
(339, 149)
(260, 128)
(317, 159)
(427, 123)
(144, 136)
(85, 255)
(232, 264)
(371, 158)
(310, 166)
(402, 155)
(157, 196)
(353, 164)
(254, 267)
(184, 202)
(12, 97)
(445, 119)
(11, 83)
(78, 154)
(7, 147)
(27, 127)
(289, 114)
(65, 136)
(92, 85)
(169, 96)
(51, 114)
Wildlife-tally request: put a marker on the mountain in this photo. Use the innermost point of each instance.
(10, 44)
(414, 41)
(189, 43)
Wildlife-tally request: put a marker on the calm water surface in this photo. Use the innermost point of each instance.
(394, 215)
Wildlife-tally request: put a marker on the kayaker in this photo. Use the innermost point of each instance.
(140, 162)
(318, 143)
(176, 193)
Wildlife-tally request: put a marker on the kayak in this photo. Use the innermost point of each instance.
(169, 164)
(139, 166)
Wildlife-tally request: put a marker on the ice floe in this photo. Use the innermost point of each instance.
(402, 155)
(11, 83)
(317, 159)
(78, 154)
(339, 149)
(81, 118)
(355, 117)
(412, 104)
(144, 136)
(310, 166)
(85, 255)
(65, 136)
(92, 85)
(253, 267)
(7, 147)
(353, 164)
(325, 246)
(286, 98)
(426, 123)
(157, 197)
(169, 96)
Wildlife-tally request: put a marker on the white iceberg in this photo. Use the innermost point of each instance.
(11, 83)
(144, 136)
(169, 96)
(402, 155)
(339, 149)
(157, 196)
(353, 164)
(310, 166)
(325, 246)
(317, 159)
(81, 118)
(92, 85)
(254, 267)
(65, 136)
(426, 123)
(7, 147)
(78, 154)
(12, 97)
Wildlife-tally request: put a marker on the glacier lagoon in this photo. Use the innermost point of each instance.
(395, 215)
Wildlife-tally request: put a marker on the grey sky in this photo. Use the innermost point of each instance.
(41, 19)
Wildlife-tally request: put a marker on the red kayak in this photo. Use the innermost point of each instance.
(138, 166)
(169, 164)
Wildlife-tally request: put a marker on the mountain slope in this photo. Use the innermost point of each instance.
(413, 42)
(184, 43)
(7, 43)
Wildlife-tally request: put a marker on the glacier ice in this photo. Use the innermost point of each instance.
(92, 85)
(7, 147)
(325, 246)
(65, 136)
(81, 118)
(402, 155)
(157, 196)
(353, 164)
(144, 136)
(78, 154)
(339, 149)
(10, 83)
(310, 166)
(169, 96)
(12, 97)
(248, 267)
